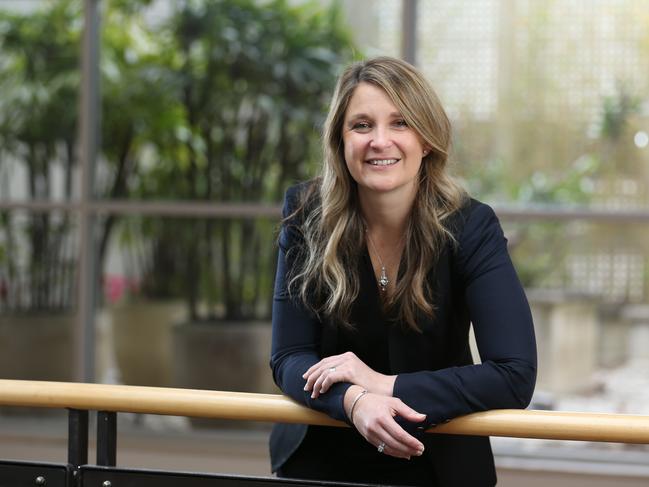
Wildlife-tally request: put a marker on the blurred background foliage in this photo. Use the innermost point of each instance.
(39, 80)
(220, 101)
(244, 89)
(540, 248)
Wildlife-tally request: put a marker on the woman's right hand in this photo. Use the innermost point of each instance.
(374, 419)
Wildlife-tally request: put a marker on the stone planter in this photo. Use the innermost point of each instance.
(613, 336)
(567, 340)
(637, 317)
(142, 337)
(224, 357)
(37, 346)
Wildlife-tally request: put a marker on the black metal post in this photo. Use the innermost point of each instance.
(77, 444)
(77, 437)
(106, 438)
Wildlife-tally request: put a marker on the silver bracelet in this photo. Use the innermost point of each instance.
(351, 410)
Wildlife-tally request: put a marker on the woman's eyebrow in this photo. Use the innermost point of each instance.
(359, 115)
(356, 116)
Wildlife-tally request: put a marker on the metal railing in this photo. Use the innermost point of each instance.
(108, 400)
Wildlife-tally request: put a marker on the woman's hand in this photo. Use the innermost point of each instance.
(346, 367)
(373, 417)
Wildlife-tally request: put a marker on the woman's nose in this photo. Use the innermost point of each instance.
(381, 139)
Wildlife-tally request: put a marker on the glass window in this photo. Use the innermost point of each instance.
(542, 90)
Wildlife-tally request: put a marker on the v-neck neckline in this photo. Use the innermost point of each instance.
(370, 266)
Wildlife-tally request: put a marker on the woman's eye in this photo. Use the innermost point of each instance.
(401, 123)
(361, 126)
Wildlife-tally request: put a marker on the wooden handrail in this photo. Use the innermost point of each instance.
(619, 428)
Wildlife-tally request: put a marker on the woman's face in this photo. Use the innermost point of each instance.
(383, 154)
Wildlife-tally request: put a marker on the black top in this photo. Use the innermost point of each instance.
(473, 282)
(369, 337)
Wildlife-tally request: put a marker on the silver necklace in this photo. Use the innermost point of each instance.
(383, 279)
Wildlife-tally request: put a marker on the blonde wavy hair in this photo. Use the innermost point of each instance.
(325, 275)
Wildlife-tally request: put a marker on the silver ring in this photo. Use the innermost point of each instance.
(381, 447)
(332, 369)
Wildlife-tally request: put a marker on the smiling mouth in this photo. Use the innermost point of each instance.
(382, 162)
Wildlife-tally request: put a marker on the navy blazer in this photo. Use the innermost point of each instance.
(474, 282)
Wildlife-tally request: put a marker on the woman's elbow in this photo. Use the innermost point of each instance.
(276, 369)
(524, 383)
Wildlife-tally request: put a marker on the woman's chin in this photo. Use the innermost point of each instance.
(379, 187)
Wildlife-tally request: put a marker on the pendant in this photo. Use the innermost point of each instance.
(383, 280)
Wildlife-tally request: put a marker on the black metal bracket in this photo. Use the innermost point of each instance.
(106, 438)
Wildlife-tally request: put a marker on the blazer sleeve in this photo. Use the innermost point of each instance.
(503, 328)
(297, 331)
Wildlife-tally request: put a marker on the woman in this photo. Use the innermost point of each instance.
(384, 262)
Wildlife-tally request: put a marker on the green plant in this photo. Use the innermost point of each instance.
(39, 87)
(139, 113)
(251, 84)
(39, 77)
(221, 102)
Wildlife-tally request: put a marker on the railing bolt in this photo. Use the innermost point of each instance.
(40, 480)
(106, 483)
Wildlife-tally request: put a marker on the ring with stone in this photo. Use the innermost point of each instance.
(381, 447)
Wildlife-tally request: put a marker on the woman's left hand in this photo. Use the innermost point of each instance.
(346, 367)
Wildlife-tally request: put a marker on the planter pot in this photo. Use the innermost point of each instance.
(567, 338)
(142, 337)
(613, 346)
(36, 346)
(224, 357)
